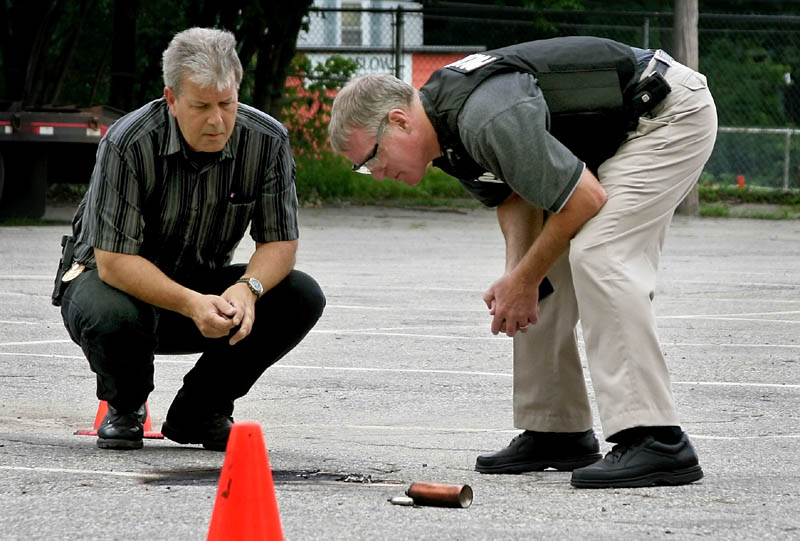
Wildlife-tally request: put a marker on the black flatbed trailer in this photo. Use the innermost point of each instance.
(44, 146)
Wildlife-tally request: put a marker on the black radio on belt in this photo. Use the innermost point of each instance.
(648, 93)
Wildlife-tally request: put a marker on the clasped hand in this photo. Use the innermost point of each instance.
(216, 316)
(513, 304)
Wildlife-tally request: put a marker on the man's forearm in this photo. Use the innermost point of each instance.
(272, 262)
(140, 278)
(520, 223)
(559, 228)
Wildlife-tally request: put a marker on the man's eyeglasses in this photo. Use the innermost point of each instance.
(365, 167)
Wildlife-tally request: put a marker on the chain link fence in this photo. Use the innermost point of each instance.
(752, 63)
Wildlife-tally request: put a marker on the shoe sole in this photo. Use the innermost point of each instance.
(178, 437)
(672, 478)
(119, 445)
(541, 465)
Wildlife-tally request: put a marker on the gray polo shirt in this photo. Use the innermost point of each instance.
(504, 126)
(150, 195)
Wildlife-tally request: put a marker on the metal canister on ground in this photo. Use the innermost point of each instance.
(440, 494)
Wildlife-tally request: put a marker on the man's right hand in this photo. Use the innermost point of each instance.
(214, 316)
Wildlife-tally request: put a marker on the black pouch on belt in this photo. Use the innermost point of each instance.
(648, 93)
(67, 249)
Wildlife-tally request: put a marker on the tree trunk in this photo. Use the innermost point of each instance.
(275, 53)
(65, 59)
(36, 72)
(123, 54)
(686, 52)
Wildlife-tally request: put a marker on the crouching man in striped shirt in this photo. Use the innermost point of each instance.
(175, 187)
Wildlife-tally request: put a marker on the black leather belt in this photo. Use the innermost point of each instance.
(663, 61)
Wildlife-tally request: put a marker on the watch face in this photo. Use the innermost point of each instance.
(255, 286)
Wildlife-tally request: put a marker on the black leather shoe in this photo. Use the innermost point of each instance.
(122, 430)
(212, 431)
(644, 463)
(537, 451)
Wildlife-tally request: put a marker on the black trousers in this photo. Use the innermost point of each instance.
(120, 336)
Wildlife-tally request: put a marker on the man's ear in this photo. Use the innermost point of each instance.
(171, 98)
(399, 118)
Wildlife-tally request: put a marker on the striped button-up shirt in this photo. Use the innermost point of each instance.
(150, 195)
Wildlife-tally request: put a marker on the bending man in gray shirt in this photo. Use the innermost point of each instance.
(586, 146)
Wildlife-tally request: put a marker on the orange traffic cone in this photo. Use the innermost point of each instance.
(245, 508)
(102, 409)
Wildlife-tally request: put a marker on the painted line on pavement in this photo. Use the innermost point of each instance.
(418, 371)
(35, 342)
(359, 332)
(454, 430)
(734, 315)
(478, 373)
(141, 475)
(758, 437)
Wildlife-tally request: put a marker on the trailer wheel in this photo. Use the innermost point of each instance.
(25, 194)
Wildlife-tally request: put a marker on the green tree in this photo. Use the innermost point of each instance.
(109, 51)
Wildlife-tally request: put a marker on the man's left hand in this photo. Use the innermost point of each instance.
(244, 301)
(513, 303)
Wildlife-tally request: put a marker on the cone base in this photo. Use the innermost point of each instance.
(102, 409)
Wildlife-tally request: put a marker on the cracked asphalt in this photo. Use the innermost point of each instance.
(402, 381)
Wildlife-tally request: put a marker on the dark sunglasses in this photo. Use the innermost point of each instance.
(362, 167)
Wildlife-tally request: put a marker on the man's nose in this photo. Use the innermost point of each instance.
(377, 172)
(215, 117)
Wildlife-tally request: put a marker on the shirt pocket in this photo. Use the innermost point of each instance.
(695, 81)
(234, 225)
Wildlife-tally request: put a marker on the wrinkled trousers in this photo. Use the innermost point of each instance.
(608, 277)
(120, 336)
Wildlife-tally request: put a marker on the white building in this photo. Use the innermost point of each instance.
(366, 31)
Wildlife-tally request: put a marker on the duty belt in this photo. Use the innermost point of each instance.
(652, 87)
(663, 61)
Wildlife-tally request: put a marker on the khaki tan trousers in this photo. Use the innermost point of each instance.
(608, 277)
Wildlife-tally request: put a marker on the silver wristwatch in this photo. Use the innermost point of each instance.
(254, 285)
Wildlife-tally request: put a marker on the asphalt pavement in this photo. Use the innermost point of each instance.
(402, 381)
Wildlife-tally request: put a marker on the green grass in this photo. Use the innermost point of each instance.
(329, 180)
(721, 210)
(715, 210)
(749, 202)
(713, 193)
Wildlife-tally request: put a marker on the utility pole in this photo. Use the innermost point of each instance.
(684, 38)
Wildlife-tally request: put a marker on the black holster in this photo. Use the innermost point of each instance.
(67, 249)
(648, 93)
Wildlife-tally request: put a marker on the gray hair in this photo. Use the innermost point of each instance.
(207, 56)
(363, 103)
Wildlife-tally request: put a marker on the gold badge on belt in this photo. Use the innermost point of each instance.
(73, 272)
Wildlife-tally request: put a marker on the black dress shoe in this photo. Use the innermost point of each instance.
(122, 430)
(211, 431)
(537, 451)
(644, 463)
